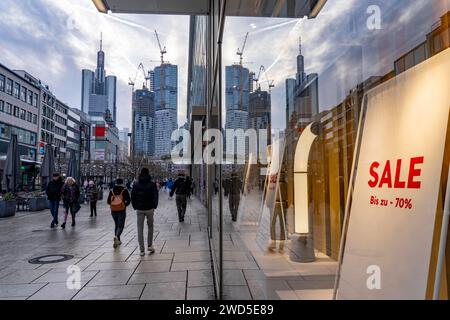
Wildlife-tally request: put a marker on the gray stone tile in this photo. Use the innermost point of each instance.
(233, 278)
(54, 291)
(150, 257)
(180, 266)
(154, 266)
(200, 278)
(113, 257)
(129, 265)
(165, 291)
(158, 277)
(18, 290)
(110, 292)
(308, 285)
(236, 293)
(22, 276)
(192, 256)
(271, 290)
(200, 293)
(111, 277)
(55, 276)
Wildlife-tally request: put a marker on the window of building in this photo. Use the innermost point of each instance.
(16, 111)
(29, 116)
(30, 97)
(16, 91)
(9, 86)
(23, 94)
(22, 114)
(8, 108)
(34, 119)
(35, 100)
(2, 106)
(2, 82)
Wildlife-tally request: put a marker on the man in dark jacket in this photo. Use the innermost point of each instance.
(53, 192)
(119, 197)
(234, 195)
(144, 199)
(181, 189)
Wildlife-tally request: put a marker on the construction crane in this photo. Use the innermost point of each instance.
(270, 83)
(162, 50)
(132, 82)
(240, 52)
(162, 75)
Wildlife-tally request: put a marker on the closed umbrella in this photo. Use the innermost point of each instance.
(11, 173)
(72, 168)
(48, 166)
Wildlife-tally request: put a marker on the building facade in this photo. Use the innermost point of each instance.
(143, 123)
(19, 113)
(165, 86)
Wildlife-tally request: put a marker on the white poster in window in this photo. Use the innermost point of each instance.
(392, 218)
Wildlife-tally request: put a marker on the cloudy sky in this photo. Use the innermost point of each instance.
(55, 39)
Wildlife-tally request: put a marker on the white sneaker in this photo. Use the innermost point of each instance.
(151, 250)
(142, 253)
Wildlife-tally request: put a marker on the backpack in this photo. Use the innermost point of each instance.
(117, 203)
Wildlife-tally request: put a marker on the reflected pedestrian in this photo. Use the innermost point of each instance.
(53, 191)
(234, 195)
(92, 196)
(71, 199)
(119, 199)
(144, 199)
(180, 188)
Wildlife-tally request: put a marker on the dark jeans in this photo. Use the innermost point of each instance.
(119, 221)
(181, 205)
(93, 205)
(54, 206)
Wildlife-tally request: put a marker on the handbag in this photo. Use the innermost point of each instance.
(75, 207)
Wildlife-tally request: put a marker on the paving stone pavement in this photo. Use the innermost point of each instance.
(180, 268)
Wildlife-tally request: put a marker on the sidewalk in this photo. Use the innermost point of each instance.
(180, 268)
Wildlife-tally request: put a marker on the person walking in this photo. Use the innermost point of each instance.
(118, 199)
(180, 188)
(71, 200)
(53, 191)
(144, 199)
(189, 187)
(92, 196)
(234, 195)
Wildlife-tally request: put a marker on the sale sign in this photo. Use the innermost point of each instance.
(397, 180)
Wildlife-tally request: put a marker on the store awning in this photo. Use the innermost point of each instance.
(245, 8)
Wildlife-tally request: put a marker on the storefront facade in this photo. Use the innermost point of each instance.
(295, 213)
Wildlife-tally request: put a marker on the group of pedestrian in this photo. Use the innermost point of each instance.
(143, 198)
(69, 193)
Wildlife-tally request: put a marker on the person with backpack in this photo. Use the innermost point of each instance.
(53, 192)
(180, 188)
(92, 196)
(144, 199)
(71, 198)
(119, 199)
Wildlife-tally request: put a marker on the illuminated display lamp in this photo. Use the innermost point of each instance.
(302, 249)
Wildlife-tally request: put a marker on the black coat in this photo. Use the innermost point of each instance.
(181, 187)
(54, 189)
(144, 195)
(117, 190)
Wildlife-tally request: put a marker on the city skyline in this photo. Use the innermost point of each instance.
(62, 41)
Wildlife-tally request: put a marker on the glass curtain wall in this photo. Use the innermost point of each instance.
(299, 84)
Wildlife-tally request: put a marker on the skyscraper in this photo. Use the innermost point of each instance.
(237, 86)
(98, 91)
(143, 139)
(165, 85)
